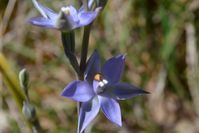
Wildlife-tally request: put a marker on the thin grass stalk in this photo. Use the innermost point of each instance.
(192, 65)
(12, 82)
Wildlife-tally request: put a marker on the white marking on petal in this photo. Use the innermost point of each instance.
(105, 81)
(38, 7)
(101, 84)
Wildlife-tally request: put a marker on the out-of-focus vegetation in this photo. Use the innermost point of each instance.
(160, 39)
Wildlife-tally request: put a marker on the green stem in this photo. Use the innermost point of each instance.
(36, 126)
(84, 51)
(72, 39)
(68, 41)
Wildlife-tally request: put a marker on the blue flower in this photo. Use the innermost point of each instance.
(101, 89)
(67, 19)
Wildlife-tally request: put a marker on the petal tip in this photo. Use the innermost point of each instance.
(62, 94)
(98, 9)
(121, 56)
(119, 124)
(124, 56)
(31, 20)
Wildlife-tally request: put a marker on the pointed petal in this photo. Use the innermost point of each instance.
(88, 112)
(93, 66)
(95, 85)
(111, 109)
(90, 3)
(73, 13)
(86, 17)
(45, 12)
(42, 22)
(79, 91)
(113, 68)
(121, 91)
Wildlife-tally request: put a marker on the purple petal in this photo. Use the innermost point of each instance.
(111, 109)
(79, 91)
(88, 112)
(42, 22)
(90, 3)
(86, 17)
(93, 66)
(73, 13)
(121, 91)
(95, 85)
(113, 68)
(45, 11)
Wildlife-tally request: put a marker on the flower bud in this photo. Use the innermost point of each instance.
(29, 111)
(24, 80)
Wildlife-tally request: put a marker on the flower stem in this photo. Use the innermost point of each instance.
(84, 50)
(68, 41)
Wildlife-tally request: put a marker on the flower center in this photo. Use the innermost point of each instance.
(66, 10)
(98, 77)
(101, 81)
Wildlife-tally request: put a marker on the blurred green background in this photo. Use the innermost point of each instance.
(160, 39)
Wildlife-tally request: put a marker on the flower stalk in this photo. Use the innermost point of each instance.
(28, 109)
(84, 50)
(68, 41)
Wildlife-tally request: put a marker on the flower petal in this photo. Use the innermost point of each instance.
(88, 112)
(86, 17)
(121, 91)
(46, 12)
(113, 68)
(93, 66)
(111, 109)
(73, 13)
(79, 91)
(42, 22)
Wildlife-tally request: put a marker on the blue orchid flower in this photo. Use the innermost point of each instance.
(67, 19)
(101, 89)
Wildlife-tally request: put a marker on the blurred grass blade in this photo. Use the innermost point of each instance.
(192, 65)
(12, 82)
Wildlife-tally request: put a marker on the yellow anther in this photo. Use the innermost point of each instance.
(98, 77)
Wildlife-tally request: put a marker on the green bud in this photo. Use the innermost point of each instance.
(29, 111)
(24, 80)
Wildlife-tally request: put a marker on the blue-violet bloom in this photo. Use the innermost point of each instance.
(101, 89)
(67, 19)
